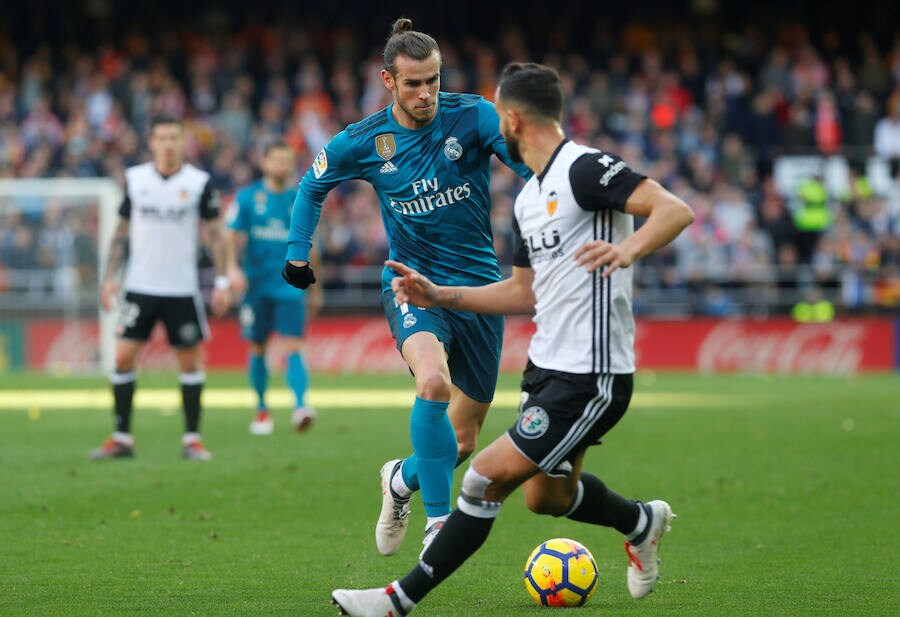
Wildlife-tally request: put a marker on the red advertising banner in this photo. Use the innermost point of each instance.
(59, 346)
(770, 346)
(364, 344)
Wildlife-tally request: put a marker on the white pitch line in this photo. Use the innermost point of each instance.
(280, 398)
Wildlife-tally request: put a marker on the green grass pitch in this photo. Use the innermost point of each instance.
(786, 490)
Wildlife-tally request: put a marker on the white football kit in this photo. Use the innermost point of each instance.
(161, 277)
(584, 321)
(164, 215)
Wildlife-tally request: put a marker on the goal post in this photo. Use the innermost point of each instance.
(50, 283)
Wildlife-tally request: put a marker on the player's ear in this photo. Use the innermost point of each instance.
(514, 119)
(388, 79)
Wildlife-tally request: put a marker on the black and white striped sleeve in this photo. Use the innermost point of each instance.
(601, 180)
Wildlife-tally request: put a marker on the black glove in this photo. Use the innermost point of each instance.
(300, 277)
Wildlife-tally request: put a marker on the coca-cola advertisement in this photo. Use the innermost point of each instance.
(768, 346)
(364, 345)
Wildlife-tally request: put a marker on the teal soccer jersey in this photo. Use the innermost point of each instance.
(433, 185)
(265, 217)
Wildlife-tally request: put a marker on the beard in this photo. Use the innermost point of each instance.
(419, 116)
(512, 147)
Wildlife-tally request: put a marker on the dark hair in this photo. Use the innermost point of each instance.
(160, 120)
(534, 88)
(408, 42)
(277, 144)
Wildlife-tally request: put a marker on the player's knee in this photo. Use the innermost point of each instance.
(433, 386)
(292, 344)
(124, 361)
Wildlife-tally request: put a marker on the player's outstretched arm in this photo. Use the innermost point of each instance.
(511, 296)
(667, 215)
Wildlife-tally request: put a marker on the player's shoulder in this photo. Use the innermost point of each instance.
(369, 126)
(247, 191)
(139, 170)
(585, 162)
(195, 173)
(575, 152)
(460, 100)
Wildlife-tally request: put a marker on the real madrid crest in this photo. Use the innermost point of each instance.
(452, 149)
(385, 146)
(259, 202)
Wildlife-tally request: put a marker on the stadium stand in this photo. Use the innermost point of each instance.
(735, 119)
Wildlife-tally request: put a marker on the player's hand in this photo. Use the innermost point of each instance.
(221, 300)
(600, 254)
(298, 274)
(314, 301)
(238, 281)
(411, 286)
(108, 294)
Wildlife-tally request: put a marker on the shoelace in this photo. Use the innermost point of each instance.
(401, 511)
(632, 558)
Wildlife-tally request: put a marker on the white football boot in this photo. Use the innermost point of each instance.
(262, 424)
(394, 517)
(643, 559)
(378, 602)
(302, 418)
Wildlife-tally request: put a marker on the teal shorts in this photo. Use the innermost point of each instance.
(472, 341)
(261, 315)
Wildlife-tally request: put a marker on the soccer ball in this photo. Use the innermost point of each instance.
(561, 572)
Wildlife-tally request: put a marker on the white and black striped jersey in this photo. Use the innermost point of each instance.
(584, 321)
(164, 214)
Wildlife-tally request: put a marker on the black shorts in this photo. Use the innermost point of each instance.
(183, 317)
(561, 414)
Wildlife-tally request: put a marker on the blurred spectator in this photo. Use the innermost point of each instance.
(41, 126)
(861, 124)
(706, 109)
(887, 131)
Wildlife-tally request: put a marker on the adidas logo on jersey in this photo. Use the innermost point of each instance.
(388, 168)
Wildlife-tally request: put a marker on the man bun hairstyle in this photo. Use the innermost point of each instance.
(408, 42)
(533, 88)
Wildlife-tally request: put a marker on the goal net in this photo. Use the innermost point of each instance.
(54, 235)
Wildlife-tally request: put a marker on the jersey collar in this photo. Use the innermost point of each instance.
(540, 177)
(167, 176)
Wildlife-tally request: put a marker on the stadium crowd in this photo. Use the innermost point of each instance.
(705, 112)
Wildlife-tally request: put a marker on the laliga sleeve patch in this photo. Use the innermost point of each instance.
(320, 165)
(533, 422)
